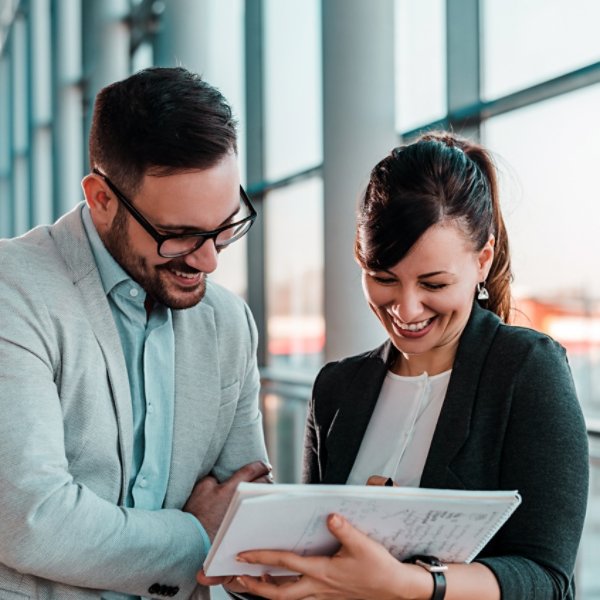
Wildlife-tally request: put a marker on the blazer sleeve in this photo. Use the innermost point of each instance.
(52, 526)
(245, 441)
(315, 454)
(545, 457)
(310, 463)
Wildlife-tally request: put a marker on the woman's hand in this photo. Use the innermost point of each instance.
(362, 568)
(229, 582)
(380, 480)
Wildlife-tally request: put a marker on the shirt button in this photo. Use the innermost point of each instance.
(150, 409)
(143, 482)
(133, 292)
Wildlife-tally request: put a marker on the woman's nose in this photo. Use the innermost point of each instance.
(408, 307)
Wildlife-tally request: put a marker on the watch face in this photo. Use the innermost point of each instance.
(431, 563)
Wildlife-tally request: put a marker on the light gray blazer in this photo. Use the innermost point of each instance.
(66, 426)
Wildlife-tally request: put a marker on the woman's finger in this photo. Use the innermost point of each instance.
(300, 590)
(377, 480)
(306, 565)
(350, 537)
(205, 580)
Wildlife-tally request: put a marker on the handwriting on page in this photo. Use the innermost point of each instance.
(402, 531)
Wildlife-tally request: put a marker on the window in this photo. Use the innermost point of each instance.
(293, 113)
(294, 263)
(549, 160)
(525, 43)
(420, 47)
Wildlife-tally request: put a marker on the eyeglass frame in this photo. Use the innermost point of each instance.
(160, 238)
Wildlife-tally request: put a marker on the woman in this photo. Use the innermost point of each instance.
(454, 399)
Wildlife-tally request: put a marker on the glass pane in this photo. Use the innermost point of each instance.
(588, 578)
(525, 43)
(294, 254)
(549, 157)
(223, 66)
(293, 113)
(420, 46)
(143, 57)
(284, 416)
(232, 268)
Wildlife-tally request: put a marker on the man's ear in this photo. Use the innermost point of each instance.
(101, 201)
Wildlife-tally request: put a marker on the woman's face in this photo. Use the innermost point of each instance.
(425, 300)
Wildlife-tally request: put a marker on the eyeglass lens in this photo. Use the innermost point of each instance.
(184, 245)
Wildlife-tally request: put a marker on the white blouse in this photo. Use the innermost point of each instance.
(399, 434)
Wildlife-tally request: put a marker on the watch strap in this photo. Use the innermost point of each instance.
(439, 585)
(437, 569)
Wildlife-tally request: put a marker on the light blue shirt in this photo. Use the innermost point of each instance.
(149, 349)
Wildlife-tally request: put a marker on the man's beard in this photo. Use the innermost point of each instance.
(154, 280)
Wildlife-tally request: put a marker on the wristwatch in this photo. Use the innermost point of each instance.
(437, 568)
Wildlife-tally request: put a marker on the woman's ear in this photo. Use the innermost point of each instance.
(486, 258)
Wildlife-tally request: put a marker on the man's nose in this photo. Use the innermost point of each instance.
(205, 258)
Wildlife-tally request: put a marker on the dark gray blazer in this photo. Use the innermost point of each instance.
(510, 420)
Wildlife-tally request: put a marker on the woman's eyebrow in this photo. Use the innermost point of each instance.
(433, 274)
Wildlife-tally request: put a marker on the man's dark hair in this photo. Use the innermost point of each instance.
(162, 121)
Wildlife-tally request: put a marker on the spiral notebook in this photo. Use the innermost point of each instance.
(453, 525)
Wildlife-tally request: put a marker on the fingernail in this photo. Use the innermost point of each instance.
(335, 521)
(241, 559)
(240, 581)
(267, 465)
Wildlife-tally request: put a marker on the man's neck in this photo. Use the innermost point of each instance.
(148, 305)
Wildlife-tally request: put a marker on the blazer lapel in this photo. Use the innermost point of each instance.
(72, 243)
(348, 426)
(455, 418)
(197, 394)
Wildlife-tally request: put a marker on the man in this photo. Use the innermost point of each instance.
(128, 381)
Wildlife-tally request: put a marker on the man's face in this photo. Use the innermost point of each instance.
(180, 203)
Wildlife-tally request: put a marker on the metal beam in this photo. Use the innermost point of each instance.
(255, 168)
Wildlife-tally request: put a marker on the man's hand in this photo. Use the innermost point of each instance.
(209, 498)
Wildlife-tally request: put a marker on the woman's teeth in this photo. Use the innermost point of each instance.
(414, 326)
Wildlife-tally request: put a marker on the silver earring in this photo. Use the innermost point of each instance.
(482, 293)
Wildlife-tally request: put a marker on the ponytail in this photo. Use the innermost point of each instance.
(500, 275)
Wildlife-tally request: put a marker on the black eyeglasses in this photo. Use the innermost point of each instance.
(173, 245)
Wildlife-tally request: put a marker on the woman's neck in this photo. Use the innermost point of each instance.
(433, 362)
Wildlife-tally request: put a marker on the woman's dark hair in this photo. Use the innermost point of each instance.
(439, 178)
(162, 120)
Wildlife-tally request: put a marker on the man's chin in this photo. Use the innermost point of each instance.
(182, 300)
(165, 291)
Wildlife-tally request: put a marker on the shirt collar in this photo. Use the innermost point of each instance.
(111, 272)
